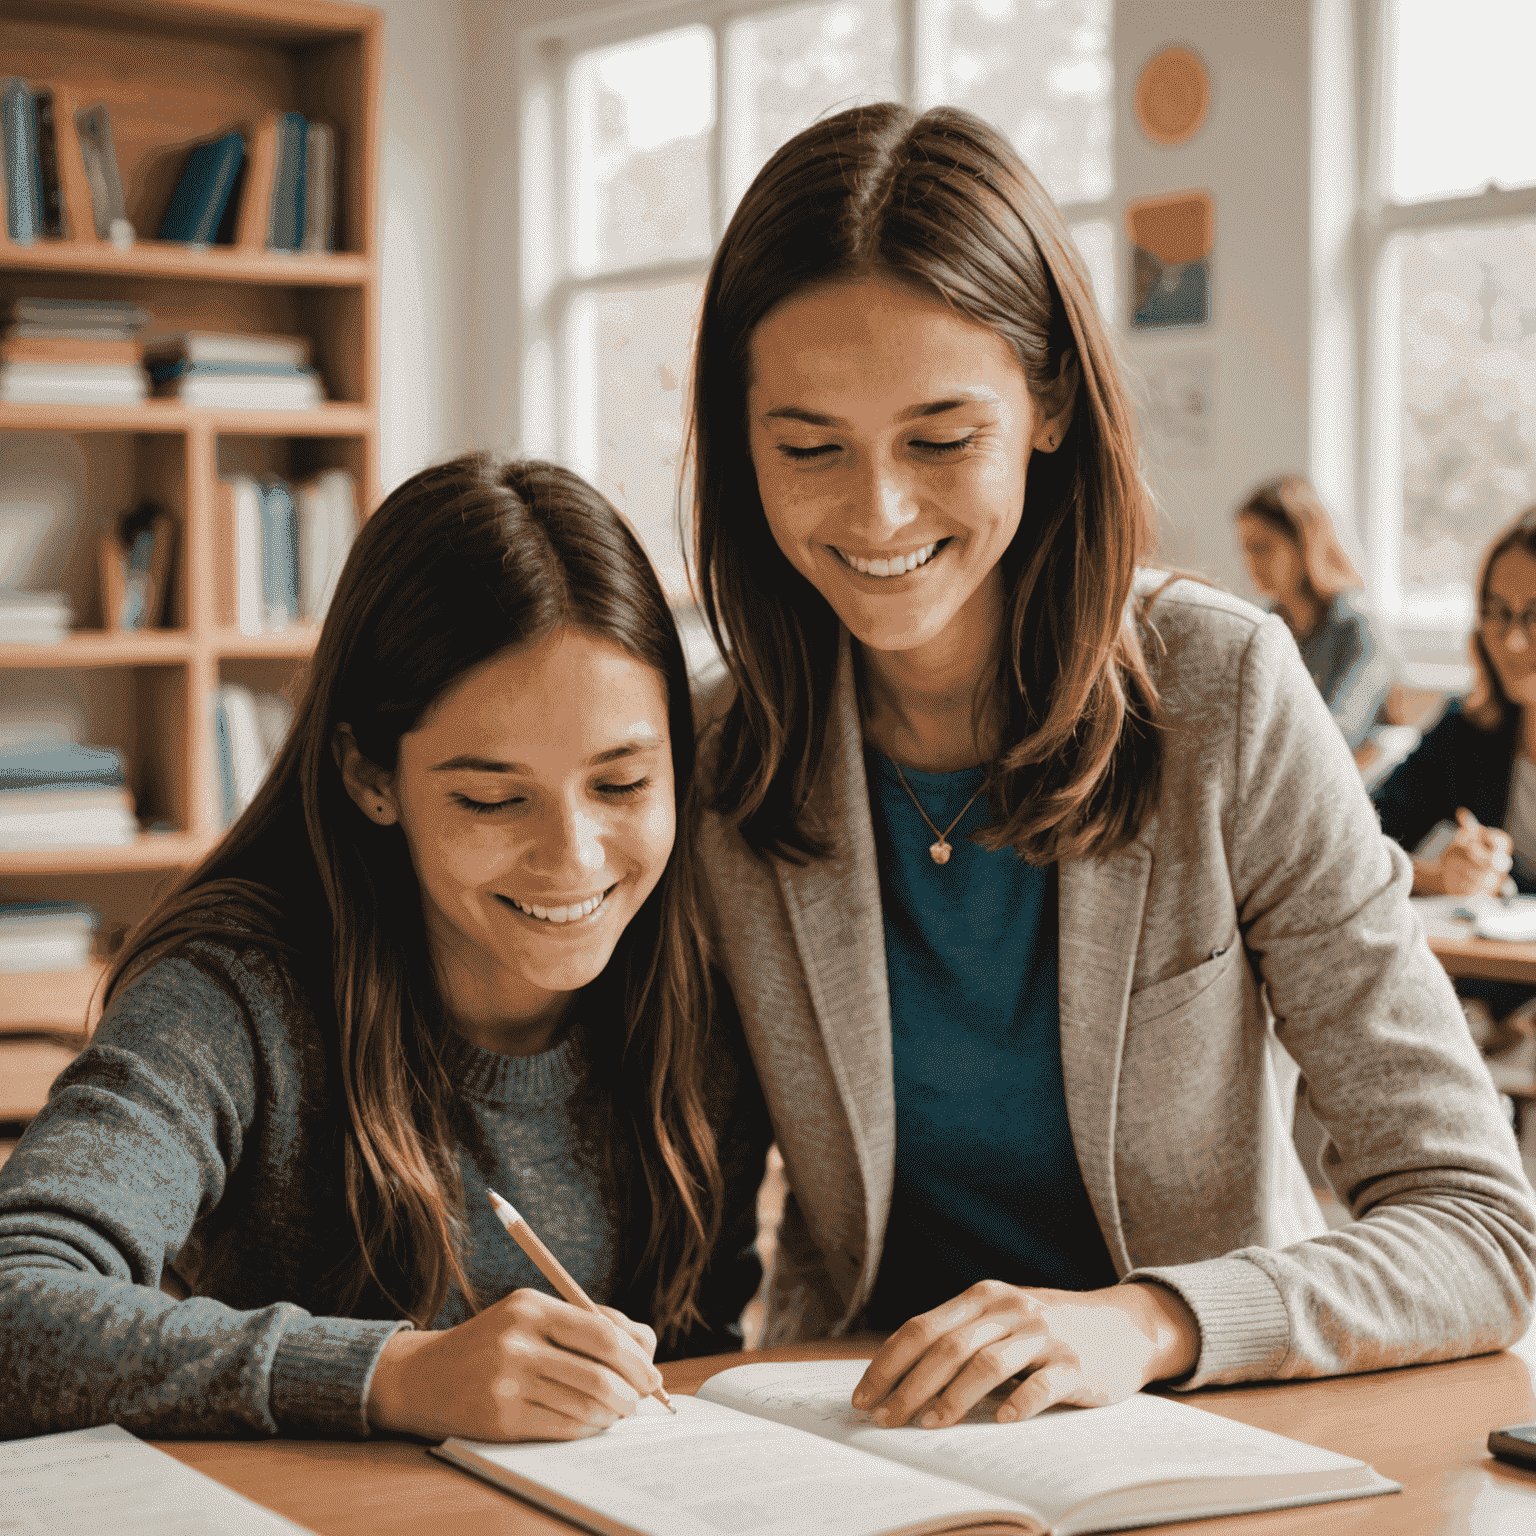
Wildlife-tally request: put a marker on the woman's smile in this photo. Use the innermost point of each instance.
(884, 567)
(569, 912)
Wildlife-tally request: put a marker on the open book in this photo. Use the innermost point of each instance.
(777, 1450)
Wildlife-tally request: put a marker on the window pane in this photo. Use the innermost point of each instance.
(1464, 109)
(629, 354)
(1039, 70)
(786, 69)
(1469, 404)
(640, 118)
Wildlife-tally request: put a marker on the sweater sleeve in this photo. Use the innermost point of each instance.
(1361, 682)
(1440, 1259)
(140, 1139)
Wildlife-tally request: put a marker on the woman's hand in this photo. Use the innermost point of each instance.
(1475, 862)
(529, 1367)
(1084, 1347)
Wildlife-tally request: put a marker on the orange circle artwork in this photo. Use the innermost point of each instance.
(1172, 95)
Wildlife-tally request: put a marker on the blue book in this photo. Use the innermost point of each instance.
(197, 204)
(23, 165)
(59, 764)
(285, 228)
(163, 373)
(226, 757)
(279, 555)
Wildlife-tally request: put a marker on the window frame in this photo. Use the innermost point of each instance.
(1434, 650)
(549, 406)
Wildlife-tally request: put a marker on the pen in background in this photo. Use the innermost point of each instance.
(551, 1268)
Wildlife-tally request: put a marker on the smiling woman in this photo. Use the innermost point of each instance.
(451, 946)
(1037, 877)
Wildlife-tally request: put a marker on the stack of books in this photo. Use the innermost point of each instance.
(249, 731)
(288, 546)
(60, 794)
(46, 936)
(34, 618)
(73, 352)
(235, 371)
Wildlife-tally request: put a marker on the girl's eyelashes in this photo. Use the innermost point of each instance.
(632, 788)
(485, 807)
(800, 455)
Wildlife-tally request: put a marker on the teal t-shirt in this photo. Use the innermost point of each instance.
(987, 1182)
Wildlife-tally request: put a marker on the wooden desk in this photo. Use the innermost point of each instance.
(1427, 1427)
(1485, 959)
(1462, 953)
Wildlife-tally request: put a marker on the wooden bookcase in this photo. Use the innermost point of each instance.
(172, 73)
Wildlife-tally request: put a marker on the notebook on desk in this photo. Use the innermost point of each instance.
(777, 1450)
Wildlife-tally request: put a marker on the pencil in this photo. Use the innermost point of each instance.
(551, 1267)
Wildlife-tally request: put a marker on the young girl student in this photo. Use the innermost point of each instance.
(450, 946)
(1295, 559)
(1025, 866)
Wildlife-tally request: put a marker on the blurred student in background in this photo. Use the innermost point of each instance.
(1295, 560)
(1473, 776)
(1477, 768)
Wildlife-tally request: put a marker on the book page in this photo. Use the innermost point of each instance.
(1056, 1462)
(105, 1479)
(713, 1472)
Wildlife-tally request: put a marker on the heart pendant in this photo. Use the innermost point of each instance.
(939, 852)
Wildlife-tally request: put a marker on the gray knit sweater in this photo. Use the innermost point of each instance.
(202, 1128)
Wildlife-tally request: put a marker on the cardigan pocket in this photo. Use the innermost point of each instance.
(1163, 997)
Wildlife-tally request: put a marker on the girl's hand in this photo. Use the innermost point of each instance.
(1084, 1347)
(1475, 861)
(529, 1367)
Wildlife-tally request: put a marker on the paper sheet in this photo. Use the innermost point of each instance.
(87, 1482)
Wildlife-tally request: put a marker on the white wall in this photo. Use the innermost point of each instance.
(1252, 155)
(428, 202)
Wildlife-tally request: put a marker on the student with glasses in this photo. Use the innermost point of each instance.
(1476, 770)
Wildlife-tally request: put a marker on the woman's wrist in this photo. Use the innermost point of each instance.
(1170, 1327)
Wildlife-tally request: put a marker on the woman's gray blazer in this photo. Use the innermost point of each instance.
(1259, 923)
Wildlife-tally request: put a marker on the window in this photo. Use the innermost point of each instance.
(641, 132)
(1450, 246)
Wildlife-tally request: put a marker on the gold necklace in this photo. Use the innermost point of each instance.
(940, 851)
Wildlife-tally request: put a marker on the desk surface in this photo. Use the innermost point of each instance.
(1426, 1427)
(1462, 953)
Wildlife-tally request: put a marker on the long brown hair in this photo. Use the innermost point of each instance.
(1290, 506)
(461, 561)
(942, 202)
(1487, 705)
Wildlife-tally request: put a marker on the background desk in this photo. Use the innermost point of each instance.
(1427, 1427)
(1462, 953)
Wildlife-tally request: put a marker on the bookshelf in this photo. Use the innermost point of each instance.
(173, 73)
